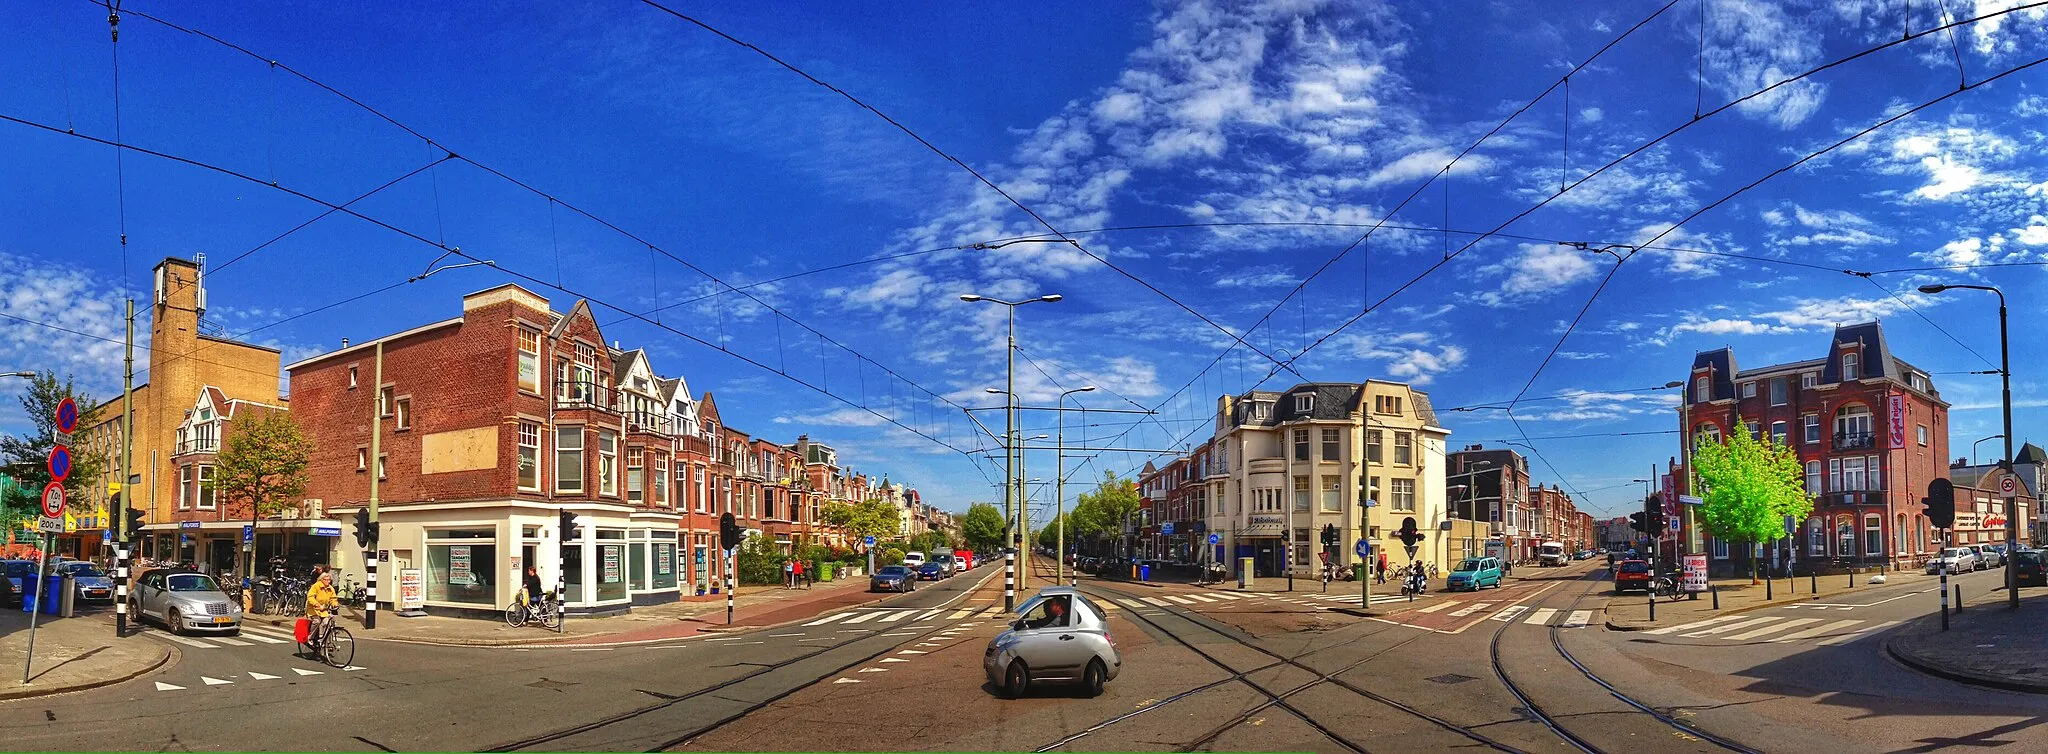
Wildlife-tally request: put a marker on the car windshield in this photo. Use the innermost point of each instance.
(2026, 556)
(192, 582)
(892, 571)
(1466, 566)
(1952, 552)
(82, 570)
(1635, 567)
(18, 567)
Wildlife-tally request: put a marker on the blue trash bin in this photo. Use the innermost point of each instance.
(52, 596)
(1145, 573)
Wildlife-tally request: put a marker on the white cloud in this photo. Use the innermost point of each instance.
(1540, 269)
(845, 417)
(81, 323)
(1752, 44)
(1591, 115)
(1419, 165)
(1413, 357)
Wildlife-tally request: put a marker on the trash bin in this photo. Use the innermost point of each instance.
(67, 598)
(1244, 573)
(1144, 573)
(1358, 571)
(51, 601)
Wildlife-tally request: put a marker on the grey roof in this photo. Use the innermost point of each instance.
(1877, 355)
(1722, 362)
(2030, 453)
(1334, 401)
(1423, 409)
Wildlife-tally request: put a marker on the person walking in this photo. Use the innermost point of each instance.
(788, 574)
(1381, 573)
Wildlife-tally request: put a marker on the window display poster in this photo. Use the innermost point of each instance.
(611, 564)
(458, 563)
(412, 591)
(664, 556)
(1695, 574)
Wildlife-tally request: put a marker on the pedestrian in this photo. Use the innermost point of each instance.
(1381, 572)
(788, 574)
(798, 576)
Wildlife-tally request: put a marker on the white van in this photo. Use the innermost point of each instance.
(1552, 554)
(913, 559)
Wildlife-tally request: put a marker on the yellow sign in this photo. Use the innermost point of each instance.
(113, 488)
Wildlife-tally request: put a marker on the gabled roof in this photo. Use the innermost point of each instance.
(1333, 401)
(562, 325)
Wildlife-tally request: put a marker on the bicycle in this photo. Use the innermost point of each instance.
(333, 645)
(544, 610)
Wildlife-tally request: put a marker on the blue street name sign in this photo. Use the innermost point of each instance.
(189, 525)
(868, 540)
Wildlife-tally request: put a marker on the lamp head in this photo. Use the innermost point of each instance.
(1085, 389)
(1933, 288)
(970, 297)
(1672, 384)
(1050, 297)
(993, 390)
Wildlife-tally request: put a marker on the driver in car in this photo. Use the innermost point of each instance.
(1055, 615)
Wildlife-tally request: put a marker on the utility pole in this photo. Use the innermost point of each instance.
(121, 533)
(376, 471)
(1013, 497)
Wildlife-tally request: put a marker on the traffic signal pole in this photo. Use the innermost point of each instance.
(118, 508)
(377, 470)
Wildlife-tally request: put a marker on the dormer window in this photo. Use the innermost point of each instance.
(1852, 367)
(1702, 390)
(1261, 410)
(1387, 404)
(1304, 403)
(1917, 381)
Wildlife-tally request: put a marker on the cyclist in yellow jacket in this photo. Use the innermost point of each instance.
(320, 606)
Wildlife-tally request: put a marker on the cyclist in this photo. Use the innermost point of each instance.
(529, 588)
(320, 605)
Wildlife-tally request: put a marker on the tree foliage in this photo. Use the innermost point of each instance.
(262, 463)
(1749, 487)
(873, 517)
(982, 527)
(26, 458)
(936, 540)
(1113, 505)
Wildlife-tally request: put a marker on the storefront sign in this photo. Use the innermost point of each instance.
(1695, 574)
(188, 525)
(1898, 421)
(458, 564)
(611, 564)
(1268, 521)
(1166, 528)
(412, 589)
(663, 557)
(326, 531)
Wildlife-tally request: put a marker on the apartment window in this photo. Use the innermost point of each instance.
(384, 402)
(529, 456)
(1778, 432)
(1404, 495)
(607, 462)
(1755, 430)
(569, 459)
(1261, 410)
(1852, 366)
(1304, 403)
(1809, 379)
(1387, 404)
(1918, 381)
(1331, 440)
(1853, 474)
(1852, 427)
(1812, 423)
(1813, 477)
(703, 495)
(1780, 391)
(1873, 534)
(529, 360)
(1404, 450)
(1372, 447)
(1749, 390)
(661, 480)
(351, 377)
(636, 480)
(362, 459)
(205, 493)
(1301, 493)
(1707, 433)
(1333, 494)
(1922, 432)
(382, 471)
(1301, 444)
(1816, 537)
(1702, 390)
(403, 412)
(1720, 549)
(184, 486)
(1835, 474)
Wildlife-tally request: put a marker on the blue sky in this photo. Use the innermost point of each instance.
(1104, 115)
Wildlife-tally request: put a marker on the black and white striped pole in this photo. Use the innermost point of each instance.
(370, 596)
(120, 588)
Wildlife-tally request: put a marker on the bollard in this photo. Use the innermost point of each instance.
(1812, 582)
(1716, 592)
(1959, 599)
(1852, 578)
(1653, 605)
(1768, 584)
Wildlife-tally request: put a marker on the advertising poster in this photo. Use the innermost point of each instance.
(611, 564)
(1695, 574)
(412, 590)
(458, 564)
(663, 560)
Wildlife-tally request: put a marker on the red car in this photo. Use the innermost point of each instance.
(1632, 575)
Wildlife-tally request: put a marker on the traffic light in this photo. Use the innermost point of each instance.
(729, 533)
(570, 532)
(133, 529)
(1408, 533)
(1941, 503)
(366, 532)
(1637, 522)
(1329, 536)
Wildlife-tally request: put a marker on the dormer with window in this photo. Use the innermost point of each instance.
(1304, 403)
(1387, 405)
(1852, 366)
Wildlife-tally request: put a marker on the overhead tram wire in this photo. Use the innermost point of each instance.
(1930, 321)
(556, 200)
(978, 177)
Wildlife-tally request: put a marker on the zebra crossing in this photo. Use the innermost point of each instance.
(1774, 629)
(250, 635)
(886, 615)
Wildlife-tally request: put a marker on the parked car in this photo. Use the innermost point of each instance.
(1632, 575)
(9, 596)
(950, 563)
(1474, 574)
(1057, 636)
(2029, 568)
(893, 578)
(184, 601)
(1994, 555)
(931, 572)
(1958, 560)
(20, 572)
(913, 559)
(90, 583)
(1550, 554)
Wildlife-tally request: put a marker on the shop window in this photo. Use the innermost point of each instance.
(1816, 538)
(1845, 537)
(637, 579)
(461, 572)
(611, 573)
(665, 565)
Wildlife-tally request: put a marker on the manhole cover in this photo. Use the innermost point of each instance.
(1450, 678)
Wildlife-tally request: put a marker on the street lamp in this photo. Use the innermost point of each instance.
(1472, 502)
(2012, 519)
(1013, 496)
(1059, 557)
(1973, 449)
(24, 375)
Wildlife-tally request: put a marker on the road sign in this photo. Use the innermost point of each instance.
(1411, 552)
(2009, 486)
(248, 534)
(53, 502)
(60, 463)
(1215, 539)
(1676, 523)
(1363, 548)
(1166, 528)
(1791, 526)
(868, 540)
(51, 525)
(63, 438)
(67, 415)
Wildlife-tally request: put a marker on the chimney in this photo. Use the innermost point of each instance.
(344, 342)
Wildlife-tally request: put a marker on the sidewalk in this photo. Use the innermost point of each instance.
(1987, 644)
(646, 623)
(1631, 612)
(72, 654)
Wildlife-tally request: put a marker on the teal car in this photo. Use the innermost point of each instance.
(1475, 574)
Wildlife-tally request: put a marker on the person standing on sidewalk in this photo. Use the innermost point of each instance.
(802, 579)
(788, 574)
(1380, 573)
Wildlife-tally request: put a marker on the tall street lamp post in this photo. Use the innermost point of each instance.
(1472, 501)
(1980, 441)
(1013, 494)
(2012, 519)
(1059, 476)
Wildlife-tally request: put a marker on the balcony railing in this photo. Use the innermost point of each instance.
(1850, 497)
(695, 444)
(648, 421)
(198, 445)
(1854, 440)
(577, 394)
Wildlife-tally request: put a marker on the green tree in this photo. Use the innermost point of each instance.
(262, 464)
(982, 527)
(1111, 507)
(873, 517)
(1749, 487)
(26, 458)
(760, 562)
(932, 541)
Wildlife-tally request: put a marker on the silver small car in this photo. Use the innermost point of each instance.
(1058, 635)
(184, 601)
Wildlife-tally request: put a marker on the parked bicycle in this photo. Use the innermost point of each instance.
(544, 609)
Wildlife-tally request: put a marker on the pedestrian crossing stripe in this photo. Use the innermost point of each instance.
(1153, 601)
(1856, 634)
(1437, 606)
(1226, 595)
(1578, 619)
(1181, 600)
(1541, 617)
(1689, 626)
(1766, 630)
(1752, 622)
(862, 618)
(893, 617)
(1200, 598)
(1470, 609)
(1508, 613)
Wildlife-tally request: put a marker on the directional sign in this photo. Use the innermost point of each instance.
(53, 503)
(67, 416)
(60, 463)
(248, 534)
(1364, 548)
(868, 540)
(1215, 538)
(2009, 486)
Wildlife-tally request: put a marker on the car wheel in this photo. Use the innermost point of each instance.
(1015, 679)
(172, 622)
(1093, 678)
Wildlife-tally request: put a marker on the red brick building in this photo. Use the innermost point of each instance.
(1870, 431)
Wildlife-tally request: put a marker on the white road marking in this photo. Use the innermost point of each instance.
(215, 681)
(1437, 606)
(1816, 631)
(827, 619)
(1470, 609)
(600, 649)
(1154, 601)
(253, 675)
(1785, 626)
(352, 667)
(161, 686)
(1730, 627)
(902, 633)
(846, 680)
(232, 642)
(960, 613)
(183, 640)
(1227, 595)
(894, 659)
(1181, 600)
(303, 671)
(1508, 613)
(1856, 634)
(1200, 597)
(874, 670)
(1541, 616)
(1578, 619)
(1689, 626)
(862, 618)
(782, 636)
(247, 634)
(893, 617)
(929, 613)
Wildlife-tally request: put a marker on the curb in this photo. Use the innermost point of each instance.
(1957, 675)
(161, 660)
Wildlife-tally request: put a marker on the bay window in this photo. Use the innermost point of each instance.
(607, 462)
(529, 456)
(569, 459)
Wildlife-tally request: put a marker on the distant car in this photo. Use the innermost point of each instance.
(2029, 568)
(913, 559)
(893, 578)
(91, 584)
(1994, 555)
(948, 563)
(20, 572)
(1058, 635)
(1632, 575)
(184, 601)
(1958, 560)
(1551, 554)
(1474, 574)
(931, 572)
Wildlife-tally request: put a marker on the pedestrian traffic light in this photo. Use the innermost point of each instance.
(1941, 503)
(1408, 533)
(1329, 536)
(1638, 523)
(570, 532)
(366, 532)
(729, 533)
